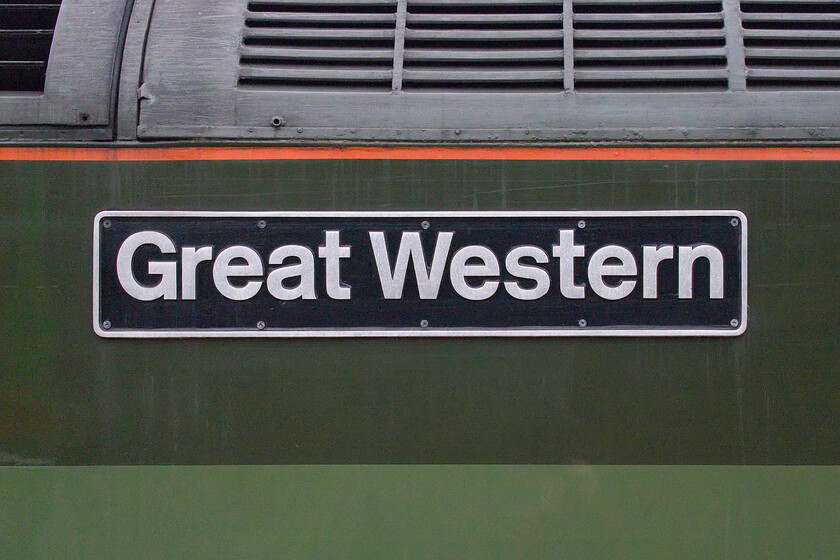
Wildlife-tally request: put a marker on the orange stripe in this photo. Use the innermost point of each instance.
(216, 153)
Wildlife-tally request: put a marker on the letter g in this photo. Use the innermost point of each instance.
(168, 285)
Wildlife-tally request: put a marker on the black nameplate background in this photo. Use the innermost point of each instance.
(367, 312)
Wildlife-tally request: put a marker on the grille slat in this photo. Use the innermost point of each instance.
(792, 45)
(688, 73)
(258, 6)
(792, 74)
(275, 18)
(318, 34)
(649, 54)
(793, 53)
(482, 76)
(650, 5)
(647, 18)
(648, 35)
(500, 55)
(792, 34)
(468, 5)
(484, 19)
(314, 54)
(820, 18)
(294, 73)
(26, 34)
(482, 35)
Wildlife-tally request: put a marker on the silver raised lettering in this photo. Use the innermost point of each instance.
(513, 264)
(652, 256)
(459, 271)
(223, 270)
(428, 280)
(567, 252)
(305, 270)
(332, 251)
(167, 288)
(190, 258)
(686, 270)
(597, 270)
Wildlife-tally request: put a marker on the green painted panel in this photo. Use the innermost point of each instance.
(769, 397)
(420, 512)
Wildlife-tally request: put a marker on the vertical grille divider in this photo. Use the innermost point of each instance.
(736, 65)
(568, 46)
(399, 45)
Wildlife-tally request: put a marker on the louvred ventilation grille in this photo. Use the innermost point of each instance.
(328, 44)
(792, 44)
(503, 45)
(649, 44)
(484, 45)
(26, 33)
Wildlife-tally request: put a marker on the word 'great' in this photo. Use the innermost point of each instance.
(474, 270)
